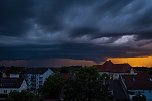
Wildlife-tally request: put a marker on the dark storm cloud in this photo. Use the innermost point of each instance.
(112, 7)
(49, 12)
(15, 16)
(74, 29)
(69, 51)
(85, 30)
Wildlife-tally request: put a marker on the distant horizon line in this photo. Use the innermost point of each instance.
(55, 63)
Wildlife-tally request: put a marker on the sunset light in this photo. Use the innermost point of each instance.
(135, 62)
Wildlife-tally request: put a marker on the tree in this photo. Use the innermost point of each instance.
(139, 97)
(53, 86)
(105, 76)
(1, 74)
(87, 86)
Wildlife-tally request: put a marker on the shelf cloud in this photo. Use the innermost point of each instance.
(92, 30)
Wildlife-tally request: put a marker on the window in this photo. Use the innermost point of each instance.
(131, 92)
(5, 91)
(40, 82)
(40, 86)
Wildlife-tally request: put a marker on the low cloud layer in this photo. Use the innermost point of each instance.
(91, 30)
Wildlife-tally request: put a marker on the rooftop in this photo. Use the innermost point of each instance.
(11, 82)
(141, 81)
(108, 66)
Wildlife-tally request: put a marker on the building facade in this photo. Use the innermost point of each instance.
(115, 70)
(36, 77)
(138, 84)
(8, 85)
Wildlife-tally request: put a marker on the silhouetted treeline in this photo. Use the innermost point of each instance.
(68, 69)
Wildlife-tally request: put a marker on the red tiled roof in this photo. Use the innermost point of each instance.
(138, 82)
(11, 82)
(108, 66)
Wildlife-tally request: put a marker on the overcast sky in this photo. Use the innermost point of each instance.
(60, 31)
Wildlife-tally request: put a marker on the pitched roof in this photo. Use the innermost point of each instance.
(36, 70)
(12, 70)
(11, 82)
(141, 81)
(108, 66)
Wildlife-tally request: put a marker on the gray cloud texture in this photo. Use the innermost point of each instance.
(75, 29)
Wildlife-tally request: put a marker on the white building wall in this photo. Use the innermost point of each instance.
(28, 79)
(47, 74)
(40, 79)
(115, 76)
(23, 86)
(9, 90)
(14, 75)
(4, 75)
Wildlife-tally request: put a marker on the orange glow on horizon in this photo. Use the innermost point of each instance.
(135, 62)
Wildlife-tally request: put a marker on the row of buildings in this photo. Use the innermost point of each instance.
(20, 79)
(126, 81)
